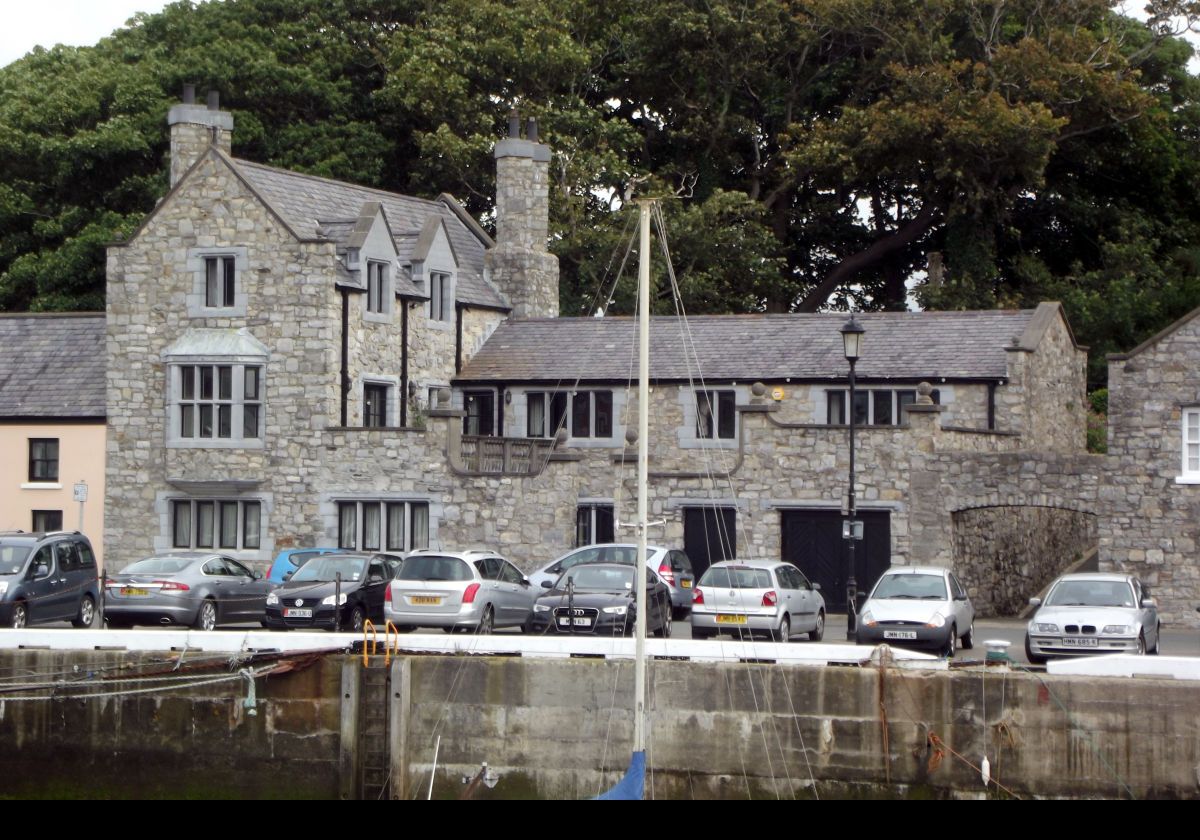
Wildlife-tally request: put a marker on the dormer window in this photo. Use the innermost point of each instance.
(220, 274)
(377, 287)
(441, 297)
(351, 258)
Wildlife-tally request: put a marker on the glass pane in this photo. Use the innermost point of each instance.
(604, 524)
(206, 383)
(229, 280)
(581, 420)
(604, 414)
(836, 404)
(250, 387)
(704, 414)
(903, 400)
(435, 297)
(583, 526)
(420, 525)
(371, 526)
(229, 524)
(187, 421)
(251, 514)
(535, 423)
(206, 421)
(348, 525)
(862, 407)
(726, 414)
(395, 526)
(250, 422)
(883, 407)
(224, 421)
(211, 282)
(187, 383)
(204, 524)
(225, 383)
(558, 413)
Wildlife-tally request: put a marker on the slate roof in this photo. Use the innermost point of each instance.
(52, 365)
(897, 345)
(303, 200)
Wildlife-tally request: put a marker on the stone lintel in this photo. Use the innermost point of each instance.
(512, 147)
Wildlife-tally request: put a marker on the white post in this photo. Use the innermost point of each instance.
(639, 682)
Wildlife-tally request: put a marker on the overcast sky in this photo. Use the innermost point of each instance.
(78, 23)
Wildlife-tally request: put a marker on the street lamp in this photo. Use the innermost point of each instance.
(852, 340)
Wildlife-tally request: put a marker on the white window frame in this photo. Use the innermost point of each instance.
(441, 297)
(198, 260)
(392, 383)
(245, 511)
(587, 509)
(377, 305)
(1189, 432)
(688, 435)
(718, 413)
(353, 514)
(897, 408)
(241, 376)
(615, 405)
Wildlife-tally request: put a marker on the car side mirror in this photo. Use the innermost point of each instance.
(257, 574)
(962, 597)
(1149, 603)
(288, 575)
(816, 587)
(525, 581)
(1035, 602)
(546, 584)
(41, 570)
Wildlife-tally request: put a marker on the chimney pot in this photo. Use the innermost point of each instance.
(189, 94)
(514, 124)
(214, 100)
(531, 130)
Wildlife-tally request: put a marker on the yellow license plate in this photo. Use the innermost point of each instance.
(731, 619)
(132, 590)
(430, 600)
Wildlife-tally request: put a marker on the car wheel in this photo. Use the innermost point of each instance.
(20, 616)
(1033, 658)
(1141, 644)
(87, 612)
(664, 632)
(206, 616)
(968, 638)
(818, 632)
(1157, 641)
(783, 633)
(488, 623)
(951, 643)
(355, 621)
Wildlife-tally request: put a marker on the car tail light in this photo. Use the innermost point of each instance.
(697, 596)
(666, 573)
(172, 586)
(469, 595)
(770, 599)
(387, 595)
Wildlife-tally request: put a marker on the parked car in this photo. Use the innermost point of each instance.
(191, 588)
(1093, 613)
(921, 607)
(672, 566)
(467, 590)
(290, 559)
(600, 599)
(47, 576)
(757, 597)
(332, 592)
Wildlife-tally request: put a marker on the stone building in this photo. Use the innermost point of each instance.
(298, 361)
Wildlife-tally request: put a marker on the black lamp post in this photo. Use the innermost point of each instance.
(852, 339)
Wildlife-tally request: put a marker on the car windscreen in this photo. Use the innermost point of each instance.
(434, 567)
(12, 559)
(158, 566)
(599, 579)
(736, 577)
(911, 586)
(1091, 593)
(328, 566)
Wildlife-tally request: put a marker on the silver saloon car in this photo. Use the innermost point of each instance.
(189, 588)
(757, 597)
(1091, 614)
(922, 607)
(468, 590)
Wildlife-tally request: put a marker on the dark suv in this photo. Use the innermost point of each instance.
(47, 577)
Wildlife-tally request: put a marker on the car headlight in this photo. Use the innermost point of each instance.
(540, 608)
(272, 598)
(615, 610)
(867, 619)
(1043, 627)
(328, 602)
(1117, 630)
(937, 620)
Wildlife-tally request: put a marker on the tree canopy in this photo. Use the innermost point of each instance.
(820, 151)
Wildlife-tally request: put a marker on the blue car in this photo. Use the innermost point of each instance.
(291, 559)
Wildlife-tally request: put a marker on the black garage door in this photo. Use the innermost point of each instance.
(709, 536)
(812, 540)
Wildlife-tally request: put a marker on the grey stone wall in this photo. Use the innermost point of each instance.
(1153, 524)
(193, 128)
(1057, 393)
(1005, 554)
(519, 264)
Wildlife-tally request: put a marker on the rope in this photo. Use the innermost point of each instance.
(941, 747)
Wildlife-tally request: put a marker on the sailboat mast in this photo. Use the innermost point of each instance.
(639, 680)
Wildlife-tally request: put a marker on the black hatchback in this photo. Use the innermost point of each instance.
(332, 592)
(47, 577)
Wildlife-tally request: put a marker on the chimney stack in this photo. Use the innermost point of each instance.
(194, 128)
(519, 264)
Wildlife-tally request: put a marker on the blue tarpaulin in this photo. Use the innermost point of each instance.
(633, 785)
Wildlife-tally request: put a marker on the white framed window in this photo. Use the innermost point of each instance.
(716, 415)
(586, 415)
(378, 288)
(1191, 446)
(441, 296)
(216, 523)
(380, 400)
(872, 406)
(216, 403)
(218, 286)
(382, 525)
(594, 524)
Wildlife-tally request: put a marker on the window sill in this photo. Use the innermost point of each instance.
(214, 443)
(42, 485)
(1187, 479)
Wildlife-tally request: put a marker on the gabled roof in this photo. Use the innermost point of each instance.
(908, 346)
(52, 365)
(302, 200)
(1157, 337)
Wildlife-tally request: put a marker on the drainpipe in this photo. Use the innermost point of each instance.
(345, 353)
(991, 406)
(403, 362)
(458, 341)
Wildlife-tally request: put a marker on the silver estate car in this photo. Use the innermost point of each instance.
(923, 607)
(670, 564)
(746, 597)
(1090, 614)
(465, 590)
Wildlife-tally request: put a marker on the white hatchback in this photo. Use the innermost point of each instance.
(924, 607)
